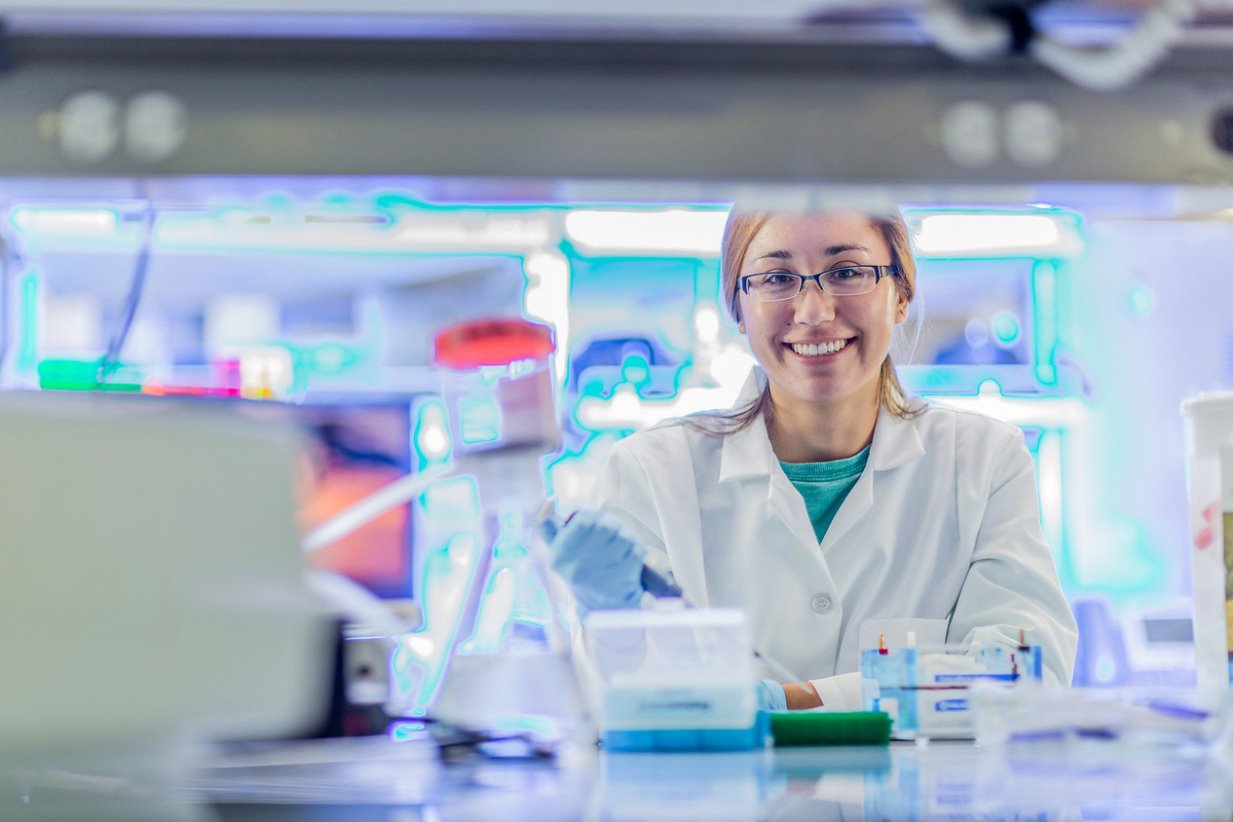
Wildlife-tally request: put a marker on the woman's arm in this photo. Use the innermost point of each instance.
(801, 695)
(1012, 582)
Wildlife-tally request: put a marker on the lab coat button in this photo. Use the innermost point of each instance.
(821, 604)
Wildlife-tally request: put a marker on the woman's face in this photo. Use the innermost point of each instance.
(852, 333)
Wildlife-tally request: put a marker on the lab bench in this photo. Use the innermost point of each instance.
(376, 778)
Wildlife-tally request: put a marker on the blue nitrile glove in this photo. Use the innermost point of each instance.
(771, 696)
(602, 566)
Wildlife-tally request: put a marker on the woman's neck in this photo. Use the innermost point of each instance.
(809, 432)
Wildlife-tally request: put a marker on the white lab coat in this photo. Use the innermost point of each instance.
(942, 524)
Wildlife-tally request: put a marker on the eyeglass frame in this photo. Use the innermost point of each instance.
(879, 271)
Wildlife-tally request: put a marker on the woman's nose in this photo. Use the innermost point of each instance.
(813, 305)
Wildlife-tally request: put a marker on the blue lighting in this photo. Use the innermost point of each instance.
(1142, 300)
(407, 731)
(28, 346)
(1006, 329)
(1044, 300)
(480, 418)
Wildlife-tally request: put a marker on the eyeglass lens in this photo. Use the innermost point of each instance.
(839, 281)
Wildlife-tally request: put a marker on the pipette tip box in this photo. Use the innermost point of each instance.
(675, 681)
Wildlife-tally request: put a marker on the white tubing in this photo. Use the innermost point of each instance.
(963, 35)
(1120, 65)
(399, 492)
(974, 37)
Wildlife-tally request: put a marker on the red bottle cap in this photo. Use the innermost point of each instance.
(495, 341)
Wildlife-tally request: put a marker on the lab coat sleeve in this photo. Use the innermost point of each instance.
(1012, 583)
(839, 693)
(625, 490)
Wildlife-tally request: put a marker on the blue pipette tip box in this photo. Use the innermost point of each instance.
(754, 737)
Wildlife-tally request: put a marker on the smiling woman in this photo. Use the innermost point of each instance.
(829, 241)
(827, 502)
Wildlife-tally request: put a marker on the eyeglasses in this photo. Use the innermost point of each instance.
(845, 281)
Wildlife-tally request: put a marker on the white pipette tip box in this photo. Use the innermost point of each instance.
(675, 680)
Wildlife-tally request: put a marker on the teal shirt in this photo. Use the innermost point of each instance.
(824, 485)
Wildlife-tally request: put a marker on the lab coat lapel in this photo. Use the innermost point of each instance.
(895, 442)
(747, 455)
(785, 501)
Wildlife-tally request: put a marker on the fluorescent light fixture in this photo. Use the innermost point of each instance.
(546, 298)
(239, 229)
(997, 235)
(465, 231)
(76, 222)
(706, 325)
(647, 231)
(1059, 412)
(549, 268)
(626, 410)
(452, 232)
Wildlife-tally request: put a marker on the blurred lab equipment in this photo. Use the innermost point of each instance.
(497, 383)
(675, 680)
(925, 688)
(1208, 424)
(508, 664)
(153, 581)
(1169, 716)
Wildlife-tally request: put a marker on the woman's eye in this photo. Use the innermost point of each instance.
(845, 273)
(777, 278)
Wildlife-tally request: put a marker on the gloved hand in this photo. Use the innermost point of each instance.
(602, 566)
(771, 696)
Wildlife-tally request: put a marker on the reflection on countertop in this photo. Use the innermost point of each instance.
(379, 779)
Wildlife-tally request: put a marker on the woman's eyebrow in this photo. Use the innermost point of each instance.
(842, 247)
(776, 255)
(830, 251)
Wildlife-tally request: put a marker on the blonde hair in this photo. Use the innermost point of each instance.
(739, 233)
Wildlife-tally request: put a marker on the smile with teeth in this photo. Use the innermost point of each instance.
(820, 349)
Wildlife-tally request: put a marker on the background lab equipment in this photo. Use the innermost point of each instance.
(154, 596)
(280, 200)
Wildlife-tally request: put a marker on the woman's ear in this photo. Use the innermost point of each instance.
(901, 310)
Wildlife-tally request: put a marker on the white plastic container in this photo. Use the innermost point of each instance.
(674, 679)
(1208, 425)
(497, 383)
(925, 689)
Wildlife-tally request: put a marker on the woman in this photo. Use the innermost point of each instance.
(827, 499)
